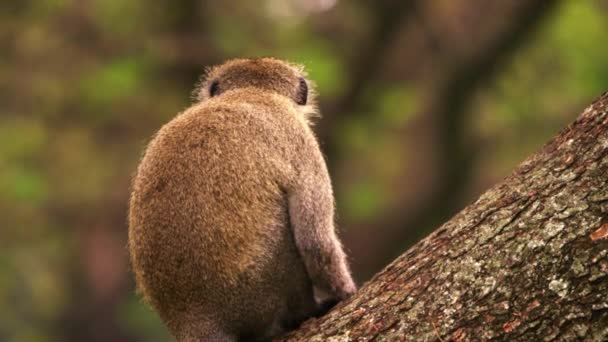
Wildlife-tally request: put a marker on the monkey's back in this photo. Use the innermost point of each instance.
(208, 223)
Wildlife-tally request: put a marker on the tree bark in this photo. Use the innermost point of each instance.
(527, 261)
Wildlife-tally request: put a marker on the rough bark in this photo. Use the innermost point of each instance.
(527, 261)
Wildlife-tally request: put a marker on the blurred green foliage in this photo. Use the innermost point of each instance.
(83, 86)
(550, 79)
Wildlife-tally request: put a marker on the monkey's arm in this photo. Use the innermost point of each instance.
(311, 211)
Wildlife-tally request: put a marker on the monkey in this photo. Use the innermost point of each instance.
(231, 217)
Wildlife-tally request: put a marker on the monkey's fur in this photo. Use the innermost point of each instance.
(231, 218)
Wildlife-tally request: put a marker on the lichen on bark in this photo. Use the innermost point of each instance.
(527, 261)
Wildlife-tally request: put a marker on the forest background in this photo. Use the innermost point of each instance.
(425, 104)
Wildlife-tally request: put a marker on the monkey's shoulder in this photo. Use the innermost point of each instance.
(233, 123)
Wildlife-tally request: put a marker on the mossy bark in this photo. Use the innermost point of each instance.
(527, 261)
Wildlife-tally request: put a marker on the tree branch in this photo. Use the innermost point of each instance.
(527, 261)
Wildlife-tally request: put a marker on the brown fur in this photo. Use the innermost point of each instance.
(231, 220)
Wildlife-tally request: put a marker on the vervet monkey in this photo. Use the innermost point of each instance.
(231, 217)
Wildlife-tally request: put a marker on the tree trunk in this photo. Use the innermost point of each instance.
(527, 261)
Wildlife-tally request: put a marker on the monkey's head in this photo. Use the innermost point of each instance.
(267, 74)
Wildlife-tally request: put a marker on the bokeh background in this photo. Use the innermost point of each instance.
(425, 105)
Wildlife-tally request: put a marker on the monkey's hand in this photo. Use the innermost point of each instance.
(326, 302)
(342, 285)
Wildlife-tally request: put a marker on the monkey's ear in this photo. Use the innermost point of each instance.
(214, 88)
(302, 95)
